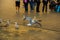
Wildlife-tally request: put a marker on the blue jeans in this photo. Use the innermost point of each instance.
(57, 8)
(31, 5)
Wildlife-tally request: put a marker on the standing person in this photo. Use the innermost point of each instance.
(26, 6)
(17, 5)
(38, 5)
(52, 5)
(45, 3)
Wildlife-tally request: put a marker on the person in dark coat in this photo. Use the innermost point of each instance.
(45, 2)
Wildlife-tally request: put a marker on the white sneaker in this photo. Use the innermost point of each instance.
(29, 24)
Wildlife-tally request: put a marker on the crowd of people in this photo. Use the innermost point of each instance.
(32, 3)
(37, 3)
(54, 5)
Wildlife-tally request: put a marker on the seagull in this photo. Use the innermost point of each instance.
(16, 25)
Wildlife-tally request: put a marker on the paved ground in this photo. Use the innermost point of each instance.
(50, 29)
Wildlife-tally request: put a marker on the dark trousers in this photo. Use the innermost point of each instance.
(37, 7)
(26, 7)
(44, 6)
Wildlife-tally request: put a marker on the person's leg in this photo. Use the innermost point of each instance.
(26, 8)
(46, 8)
(58, 9)
(37, 8)
(31, 9)
(17, 9)
(31, 6)
(17, 6)
(35, 4)
(43, 7)
(30, 23)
